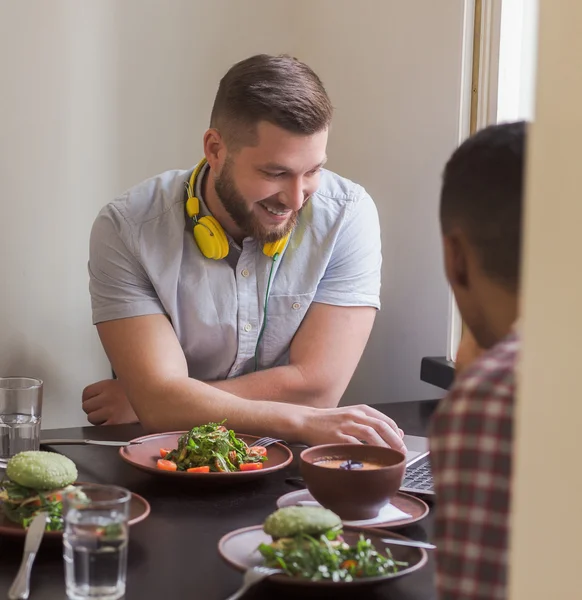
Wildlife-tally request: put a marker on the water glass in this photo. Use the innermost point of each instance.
(95, 541)
(20, 414)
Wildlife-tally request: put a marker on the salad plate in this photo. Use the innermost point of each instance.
(206, 453)
(239, 549)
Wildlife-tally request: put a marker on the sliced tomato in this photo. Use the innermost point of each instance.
(164, 452)
(251, 466)
(167, 465)
(205, 469)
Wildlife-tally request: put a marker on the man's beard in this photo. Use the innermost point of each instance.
(245, 219)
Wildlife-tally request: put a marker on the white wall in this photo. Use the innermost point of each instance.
(394, 72)
(95, 96)
(101, 94)
(57, 157)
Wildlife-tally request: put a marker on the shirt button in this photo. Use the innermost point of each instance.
(245, 273)
(247, 327)
(296, 306)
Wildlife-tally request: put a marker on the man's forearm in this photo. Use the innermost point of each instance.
(183, 403)
(280, 384)
(323, 357)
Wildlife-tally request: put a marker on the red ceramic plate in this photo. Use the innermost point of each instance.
(239, 549)
(145, 456)
(139, 509)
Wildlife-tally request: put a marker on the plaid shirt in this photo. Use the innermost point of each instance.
(471, 446)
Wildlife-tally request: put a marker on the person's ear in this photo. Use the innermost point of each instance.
(456, 259)
(214, 149)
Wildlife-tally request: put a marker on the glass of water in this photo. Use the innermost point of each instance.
(20, 413)
(95, 541)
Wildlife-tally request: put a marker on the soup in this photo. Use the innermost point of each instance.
(348, 465)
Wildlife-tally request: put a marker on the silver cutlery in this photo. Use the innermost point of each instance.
(20, 588)
(410, 543)
(65, 442)
(269, 441)
(252, 577)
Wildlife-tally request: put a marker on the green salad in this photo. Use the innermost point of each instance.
(308, 543)
(328, 557)
(212, 448)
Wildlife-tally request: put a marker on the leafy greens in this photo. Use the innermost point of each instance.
(328, 557)
(214, 446)
(22, 504)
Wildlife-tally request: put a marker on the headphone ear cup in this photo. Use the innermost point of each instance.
(277, 247)
(211, 238)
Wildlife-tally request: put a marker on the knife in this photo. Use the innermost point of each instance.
(21, 585)
(64, 442)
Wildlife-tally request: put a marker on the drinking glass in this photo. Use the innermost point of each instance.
(20, 415)
(95, 541)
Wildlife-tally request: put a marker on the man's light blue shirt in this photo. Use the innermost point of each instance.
(144, 260)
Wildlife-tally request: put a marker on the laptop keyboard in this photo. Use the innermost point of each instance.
(419, 477)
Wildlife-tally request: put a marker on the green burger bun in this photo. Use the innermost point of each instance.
(295, 520)
(41, 470)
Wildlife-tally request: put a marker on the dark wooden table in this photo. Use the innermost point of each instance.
(173, 553)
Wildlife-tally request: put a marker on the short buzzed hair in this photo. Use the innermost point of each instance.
(482, 194)
(278, 89)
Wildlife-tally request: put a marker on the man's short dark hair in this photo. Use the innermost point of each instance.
(278, 89)
(482, 194)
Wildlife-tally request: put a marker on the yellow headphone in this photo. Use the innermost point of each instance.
(209, 234)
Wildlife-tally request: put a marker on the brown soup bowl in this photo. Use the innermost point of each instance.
(356, 493)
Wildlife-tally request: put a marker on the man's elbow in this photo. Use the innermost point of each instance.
(149, 420)
(147, 408)
(319, 392)
(150, 424)
(322, 394)
(326, 401)
(325, 396)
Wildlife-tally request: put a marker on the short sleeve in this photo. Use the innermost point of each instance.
(118, 283)
(353, 275)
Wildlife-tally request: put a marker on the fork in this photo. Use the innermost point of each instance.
(268, 441)
(252, 577)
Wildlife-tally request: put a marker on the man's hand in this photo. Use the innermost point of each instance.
(106, 403)
(350, 424)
